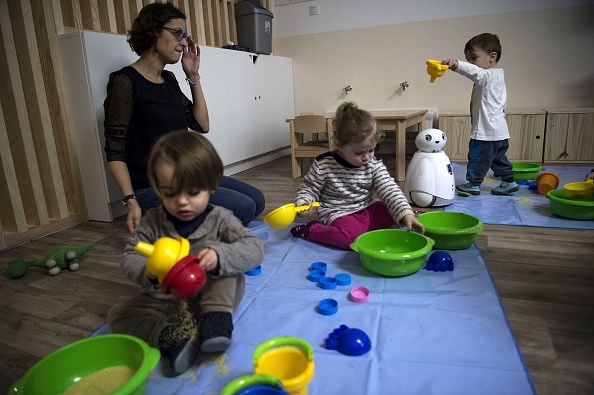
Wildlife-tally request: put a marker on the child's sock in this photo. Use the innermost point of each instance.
(302, 231)
(215, 332)
(177, 346)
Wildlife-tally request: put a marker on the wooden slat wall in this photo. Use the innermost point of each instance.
(40, 185)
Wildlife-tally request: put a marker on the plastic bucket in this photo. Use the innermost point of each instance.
(255, 384)
(288, 358)
(547, 182)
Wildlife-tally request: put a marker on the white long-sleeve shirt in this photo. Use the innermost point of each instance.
(488, 102)
(343, 189)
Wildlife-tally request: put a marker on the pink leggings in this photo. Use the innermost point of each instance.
(344, 230)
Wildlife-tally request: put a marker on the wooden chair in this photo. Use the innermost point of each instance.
(306, 149)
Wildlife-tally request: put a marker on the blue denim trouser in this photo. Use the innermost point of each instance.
(246, 201)
(483, 155)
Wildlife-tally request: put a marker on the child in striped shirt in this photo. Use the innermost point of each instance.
(355, 191)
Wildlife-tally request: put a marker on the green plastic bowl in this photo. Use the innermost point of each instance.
(451, 230)
(392, 252)
(526, 171)
(563, 206)
(53, 374)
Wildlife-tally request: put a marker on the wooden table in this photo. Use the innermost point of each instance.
(398, 121)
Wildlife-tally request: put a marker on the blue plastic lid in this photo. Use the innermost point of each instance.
(328, 306)
(262, 389)
(343, 279)
(348, 341)
(328, 282)
(315, 275)
(255, 271)
(321, 266)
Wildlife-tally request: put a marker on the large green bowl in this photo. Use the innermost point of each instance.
(59, 370)
(526, 171)
(451, 230)
(392, 252)
(563, 206)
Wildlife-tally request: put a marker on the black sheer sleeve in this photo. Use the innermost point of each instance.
(118, 107)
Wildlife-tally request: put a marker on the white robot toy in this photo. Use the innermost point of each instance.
(429, 178)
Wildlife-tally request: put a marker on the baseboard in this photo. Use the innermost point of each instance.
(247, 164)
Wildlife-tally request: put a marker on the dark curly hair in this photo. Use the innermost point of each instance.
(147, 26)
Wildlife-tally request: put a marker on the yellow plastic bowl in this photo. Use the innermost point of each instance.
(579, 190)
(285, 215)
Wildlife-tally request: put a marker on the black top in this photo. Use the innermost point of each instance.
(137, 113)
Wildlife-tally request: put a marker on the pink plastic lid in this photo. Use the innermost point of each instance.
(359, 294)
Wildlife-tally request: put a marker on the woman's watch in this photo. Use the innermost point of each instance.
(128, 197)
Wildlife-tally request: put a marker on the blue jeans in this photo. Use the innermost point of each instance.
(246, 201)
(483, 155)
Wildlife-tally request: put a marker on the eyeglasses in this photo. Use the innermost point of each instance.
(179, 34)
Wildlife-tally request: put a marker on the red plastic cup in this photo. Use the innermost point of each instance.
(185, 279)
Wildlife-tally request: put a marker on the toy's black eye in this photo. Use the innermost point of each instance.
(443, 136)
(428, 137)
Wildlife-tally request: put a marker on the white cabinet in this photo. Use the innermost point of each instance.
(248, 103)
(258, 101)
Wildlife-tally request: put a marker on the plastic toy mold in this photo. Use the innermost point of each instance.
(440, 261)
(348, 341)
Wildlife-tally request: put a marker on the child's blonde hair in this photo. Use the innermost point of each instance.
(352, 124)
(197, 163)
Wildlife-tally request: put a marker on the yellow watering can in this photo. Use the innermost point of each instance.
(285, 215)
(436, 69)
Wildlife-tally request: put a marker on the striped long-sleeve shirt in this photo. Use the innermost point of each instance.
(343, 189)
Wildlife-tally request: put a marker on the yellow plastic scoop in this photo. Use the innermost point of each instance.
(436, 69)
(285, 215)
(579, 190)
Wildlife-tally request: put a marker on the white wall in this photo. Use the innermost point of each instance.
(548, 52)
(294, 19)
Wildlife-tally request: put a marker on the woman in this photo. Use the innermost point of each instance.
(144, 101)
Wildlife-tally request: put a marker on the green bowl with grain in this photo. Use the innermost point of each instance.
(112, 364)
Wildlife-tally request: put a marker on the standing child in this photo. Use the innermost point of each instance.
(185, 169)
(489, 135)
(355, 191)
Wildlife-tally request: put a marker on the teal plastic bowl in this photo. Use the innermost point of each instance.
(392, 252)
(526, 171)
(563, 206)
(451, 230)
(59, 370)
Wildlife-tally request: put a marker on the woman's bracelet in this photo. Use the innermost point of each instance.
(192, 83)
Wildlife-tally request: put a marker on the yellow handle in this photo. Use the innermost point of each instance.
(306, 207)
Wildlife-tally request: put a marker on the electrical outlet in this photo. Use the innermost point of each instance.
(314, 10)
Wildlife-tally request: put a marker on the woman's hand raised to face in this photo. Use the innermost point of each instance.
(191, 59)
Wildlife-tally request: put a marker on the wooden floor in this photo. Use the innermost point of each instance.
(545, 278)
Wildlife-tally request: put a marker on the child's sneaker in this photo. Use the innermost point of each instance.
(302, 231)
(468, 189)
(506, 188)
(178, 348)
(215, 332)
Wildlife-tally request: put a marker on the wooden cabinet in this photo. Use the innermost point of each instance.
(526, 131)
(249, 98)
(570, 136)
